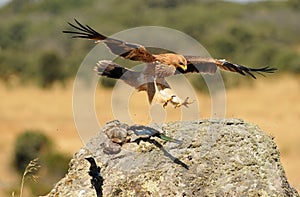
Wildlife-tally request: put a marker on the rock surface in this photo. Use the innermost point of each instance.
(216, 158)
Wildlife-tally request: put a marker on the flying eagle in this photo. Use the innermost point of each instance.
(158, 66)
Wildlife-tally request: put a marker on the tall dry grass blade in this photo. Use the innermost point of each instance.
(32, 167)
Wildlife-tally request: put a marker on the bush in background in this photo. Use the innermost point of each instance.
(51, 69)
(33, 144)
(29, 145)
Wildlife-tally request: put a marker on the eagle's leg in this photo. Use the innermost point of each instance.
(168, 100)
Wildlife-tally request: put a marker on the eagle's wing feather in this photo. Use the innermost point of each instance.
(209, 65)
(243, 70)
(126, 50)
(85, 32)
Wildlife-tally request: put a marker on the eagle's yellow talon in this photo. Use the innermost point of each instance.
(165, 104)
(167, 101)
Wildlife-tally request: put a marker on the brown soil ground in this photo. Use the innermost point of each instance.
(272, 103)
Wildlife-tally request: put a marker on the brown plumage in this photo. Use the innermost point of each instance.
(157, 88)
(159, 66)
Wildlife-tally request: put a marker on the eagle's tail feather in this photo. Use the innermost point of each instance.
(112, 70)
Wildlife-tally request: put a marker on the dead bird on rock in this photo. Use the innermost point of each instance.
(121, 133)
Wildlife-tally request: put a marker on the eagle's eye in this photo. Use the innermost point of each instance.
(181, 63)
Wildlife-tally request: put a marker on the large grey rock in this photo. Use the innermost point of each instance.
(223, 157)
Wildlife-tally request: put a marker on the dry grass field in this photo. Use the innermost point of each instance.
(272, 103)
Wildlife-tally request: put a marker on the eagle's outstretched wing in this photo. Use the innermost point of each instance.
(126, 50)
(209, 65)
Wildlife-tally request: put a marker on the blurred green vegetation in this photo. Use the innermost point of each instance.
(29, 146)
(33, 48)
(32, 144)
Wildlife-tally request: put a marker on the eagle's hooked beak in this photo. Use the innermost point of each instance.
(184, 67)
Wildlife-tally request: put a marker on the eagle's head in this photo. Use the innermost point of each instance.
(176, 60)
(180, 61)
